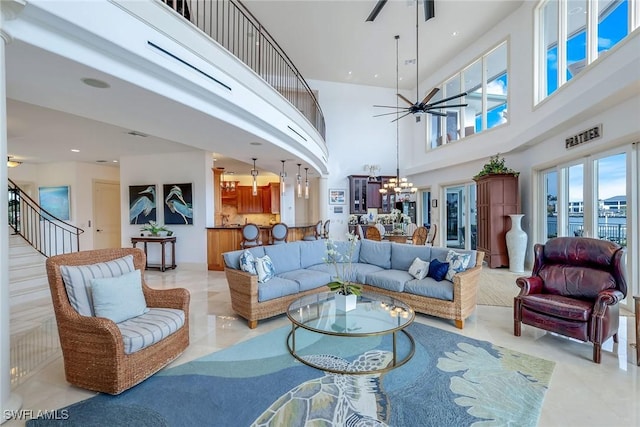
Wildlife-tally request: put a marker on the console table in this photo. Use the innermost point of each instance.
(163, 241)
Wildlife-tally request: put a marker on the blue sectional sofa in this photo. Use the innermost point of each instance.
(382, 267)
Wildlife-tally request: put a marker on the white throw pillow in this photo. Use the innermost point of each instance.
(248, 262)
(457, 263)
(419, 268)
(119, 298)
(77, 278)
(265, 269)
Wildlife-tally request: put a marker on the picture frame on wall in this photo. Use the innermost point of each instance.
(142, 204)
(178, 204)
(55, 201)
(337, 196)
(372, 215)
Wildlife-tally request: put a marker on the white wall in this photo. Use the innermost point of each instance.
(79, 177)
(355, 138)
(177, 168)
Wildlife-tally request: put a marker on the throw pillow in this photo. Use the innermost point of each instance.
(77, 278)
(248, 262)
(457, 263)
(119, 298)
(438, 270)
(419, 268)
(265, 269)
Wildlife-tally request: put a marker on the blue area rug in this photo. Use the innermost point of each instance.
(450, 381)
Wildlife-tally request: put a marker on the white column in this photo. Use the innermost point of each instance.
(9, 401)
(323, 197)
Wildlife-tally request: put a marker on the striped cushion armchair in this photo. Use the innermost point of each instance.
(104, 347)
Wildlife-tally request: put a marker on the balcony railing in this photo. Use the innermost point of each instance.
(232, 25)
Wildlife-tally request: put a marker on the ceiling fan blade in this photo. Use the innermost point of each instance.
(390, 106)
(404, 99)
(436, 113)
(404, 115)
(376, 10)
(388, 114)
(440, 101)
(445, 106)
(430, 95)
(429, 9)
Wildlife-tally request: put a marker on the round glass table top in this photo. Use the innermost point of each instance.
(374, 314)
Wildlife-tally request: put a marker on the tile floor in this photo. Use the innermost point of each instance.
(581, 393)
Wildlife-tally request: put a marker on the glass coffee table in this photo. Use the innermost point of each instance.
(374, 315)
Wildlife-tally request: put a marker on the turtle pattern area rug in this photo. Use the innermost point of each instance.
(451, 380)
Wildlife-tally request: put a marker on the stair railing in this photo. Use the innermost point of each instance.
(231, 24)
(47, 233)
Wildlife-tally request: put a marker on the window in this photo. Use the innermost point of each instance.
(486, 84)
(567, 42)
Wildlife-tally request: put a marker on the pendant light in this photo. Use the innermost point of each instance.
(283, 175)
(306, 183)
(254, 174)
(299, 181)
(398, 185)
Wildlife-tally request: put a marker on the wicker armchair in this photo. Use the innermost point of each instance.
(93, 348)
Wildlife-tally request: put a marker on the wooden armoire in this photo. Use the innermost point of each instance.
(498, 196)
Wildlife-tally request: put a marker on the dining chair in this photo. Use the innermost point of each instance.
(279, 233)
(431, 236)
(325, 229)
(373, 234)
(381, 229)
(419, 236)
(250, 236)
(317, 232)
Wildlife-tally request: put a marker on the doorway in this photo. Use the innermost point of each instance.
(106, 215)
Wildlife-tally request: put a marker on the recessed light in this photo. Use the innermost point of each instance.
(255, 143)
(95, 83)
(375, 76)
(455, 33)
(115, 161)
(350, 73)
(75, 150)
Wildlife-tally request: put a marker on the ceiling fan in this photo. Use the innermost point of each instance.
(418, 107)
(429, 9)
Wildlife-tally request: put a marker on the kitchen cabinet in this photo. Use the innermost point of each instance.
(274, 192)
(365, 194)
(247, 202)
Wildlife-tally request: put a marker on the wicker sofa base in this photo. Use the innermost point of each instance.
(243, 288)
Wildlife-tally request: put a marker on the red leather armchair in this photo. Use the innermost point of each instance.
(574, 290)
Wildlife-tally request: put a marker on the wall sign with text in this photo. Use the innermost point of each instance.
(584, 136)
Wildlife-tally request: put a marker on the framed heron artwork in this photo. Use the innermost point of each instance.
(178, 204)
(142, 204)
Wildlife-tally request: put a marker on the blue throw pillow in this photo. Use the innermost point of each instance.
(248, 262)
(265, 269)
(119, 298)
(438, 270)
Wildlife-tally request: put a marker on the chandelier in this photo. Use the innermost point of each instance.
(398, 185)
(226, 185)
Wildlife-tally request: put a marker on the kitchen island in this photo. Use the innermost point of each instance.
(223, 239)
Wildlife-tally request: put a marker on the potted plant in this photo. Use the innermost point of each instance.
(156, 229)
(346, 290)
(496, 165)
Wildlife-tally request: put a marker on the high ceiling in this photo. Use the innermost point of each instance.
(327, 40)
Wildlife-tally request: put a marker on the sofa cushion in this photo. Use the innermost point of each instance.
(438, 270)
(277, 287)
(119, 298)
(77, 278)
(312, 252)
(284, 257)
(360, 271)
(376, 253)
(419, 268)
(458, 263)
(307, 278)
(343, 247)
(576, 281)
(403, 255)
(392, 280)
(428, 287)
(232, 259)
(248, 262)
(265, 269)
(150, 328)
(559, 306)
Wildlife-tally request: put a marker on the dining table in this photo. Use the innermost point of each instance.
(398, 238)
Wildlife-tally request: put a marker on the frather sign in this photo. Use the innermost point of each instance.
(584, 136)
